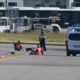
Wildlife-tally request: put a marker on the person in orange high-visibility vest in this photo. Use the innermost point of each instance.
(18, 46)
(39, 50)
(54, 20)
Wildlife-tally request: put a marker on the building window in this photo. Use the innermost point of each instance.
(58, 3)
(1, 4)
(46, 1)
(37, 5)
(77, 0)
(12, 4)
(77, 3)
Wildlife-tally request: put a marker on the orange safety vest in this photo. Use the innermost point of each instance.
(54, 20)
(18, 46)
(39, 51)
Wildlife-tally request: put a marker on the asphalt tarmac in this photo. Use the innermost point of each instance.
(54, 65)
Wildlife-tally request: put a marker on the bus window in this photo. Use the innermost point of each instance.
(36, 15)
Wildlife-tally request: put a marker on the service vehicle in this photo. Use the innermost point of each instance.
(4, 24)
(24, 24)
(20, 24)
(63, 17)
(73, 41)
(70, 28)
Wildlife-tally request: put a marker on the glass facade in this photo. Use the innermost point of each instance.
(77, 3)
(45, 3)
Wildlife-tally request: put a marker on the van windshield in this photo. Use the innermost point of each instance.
(23, 22)
(3, 22)
(75, 36)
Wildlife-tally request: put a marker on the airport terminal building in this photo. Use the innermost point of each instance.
(40, 3)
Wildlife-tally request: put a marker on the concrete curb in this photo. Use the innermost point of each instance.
(54, 44)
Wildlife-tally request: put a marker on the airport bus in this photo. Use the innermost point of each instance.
(65, 17)
(44, 15)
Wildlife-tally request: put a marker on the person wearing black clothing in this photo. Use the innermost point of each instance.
(42, 39)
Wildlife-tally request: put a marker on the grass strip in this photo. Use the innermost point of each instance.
(33, 37)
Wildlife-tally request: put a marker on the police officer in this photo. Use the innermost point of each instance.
(42, 39)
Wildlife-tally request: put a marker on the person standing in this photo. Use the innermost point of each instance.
(42, 39)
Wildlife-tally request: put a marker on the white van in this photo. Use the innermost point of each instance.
(73, 41)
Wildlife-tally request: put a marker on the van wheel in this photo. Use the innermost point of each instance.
(74, 54)
(68, 53)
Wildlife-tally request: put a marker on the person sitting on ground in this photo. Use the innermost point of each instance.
(38, 50)
(17, 46)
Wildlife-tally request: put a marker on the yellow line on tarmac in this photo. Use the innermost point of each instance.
(13, 57)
